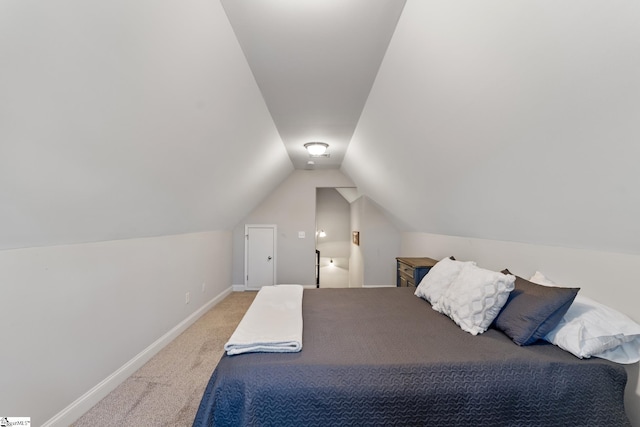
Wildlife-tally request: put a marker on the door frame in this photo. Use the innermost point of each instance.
(246, 250)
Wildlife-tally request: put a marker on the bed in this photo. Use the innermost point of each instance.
(382, 356)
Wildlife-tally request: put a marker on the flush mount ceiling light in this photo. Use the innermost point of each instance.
(316, 149)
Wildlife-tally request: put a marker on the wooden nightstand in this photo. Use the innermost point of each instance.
(412, 270)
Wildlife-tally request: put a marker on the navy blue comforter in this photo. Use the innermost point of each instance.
(377, 357)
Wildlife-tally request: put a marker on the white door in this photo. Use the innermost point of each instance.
(260, 256)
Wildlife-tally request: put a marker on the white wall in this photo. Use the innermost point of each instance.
(124, 119)
(72, 315)
(374, 259)
(292, 207)
(334, 274)
(608, 277)
(356, 259)
(380, 240)
(508, 120)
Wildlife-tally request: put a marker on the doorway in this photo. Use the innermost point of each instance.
(259, 255)
(333, 238)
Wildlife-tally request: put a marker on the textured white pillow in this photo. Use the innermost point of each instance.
(593, 329)
(476, 297)
(438, 279)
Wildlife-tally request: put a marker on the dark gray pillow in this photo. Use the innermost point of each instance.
(533, 310)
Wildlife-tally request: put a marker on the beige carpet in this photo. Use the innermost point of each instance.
(166, 391)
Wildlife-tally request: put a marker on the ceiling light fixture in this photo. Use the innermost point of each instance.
(316, 148)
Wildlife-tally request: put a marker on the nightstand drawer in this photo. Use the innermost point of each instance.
(406, 270)
(407, 276)
(410, 271)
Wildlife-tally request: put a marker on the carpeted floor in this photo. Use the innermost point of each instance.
(166, 391)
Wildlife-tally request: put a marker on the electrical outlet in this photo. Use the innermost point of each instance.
(203, 283)
(187, 298)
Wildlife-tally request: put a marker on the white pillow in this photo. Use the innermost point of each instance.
(476, 297)
(593, 329)
(438, 279)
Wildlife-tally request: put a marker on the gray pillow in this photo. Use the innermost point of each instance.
(533, 310)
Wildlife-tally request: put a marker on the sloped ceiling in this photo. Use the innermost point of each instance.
(123, 119)
(515, 121)
(315, 62)
(496, 119)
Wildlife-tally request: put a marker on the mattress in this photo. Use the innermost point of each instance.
(382, 356)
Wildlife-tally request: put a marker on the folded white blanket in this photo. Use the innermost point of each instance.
(272, 324)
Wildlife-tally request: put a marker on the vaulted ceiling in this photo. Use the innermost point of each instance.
(314, 62)
(495, 119)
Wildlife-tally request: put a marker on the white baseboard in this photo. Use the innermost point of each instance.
(242, 288)
(85, 402)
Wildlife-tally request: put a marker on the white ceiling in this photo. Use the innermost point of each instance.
(126, 119)
(315, 62)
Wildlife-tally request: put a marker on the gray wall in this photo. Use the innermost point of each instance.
(74, 315)
(292, 207)
(503, 120)
(374, 259)
(356, 260)
(127, 119)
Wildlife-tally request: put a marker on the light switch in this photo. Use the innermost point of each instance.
(301, 235)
